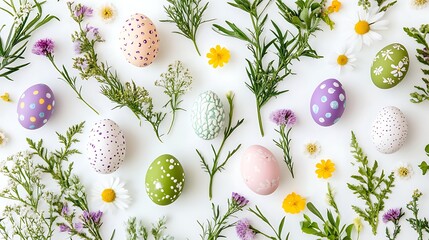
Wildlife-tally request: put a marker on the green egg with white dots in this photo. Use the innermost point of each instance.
(165, 179)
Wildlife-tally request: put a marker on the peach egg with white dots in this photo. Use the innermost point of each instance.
(35, 106)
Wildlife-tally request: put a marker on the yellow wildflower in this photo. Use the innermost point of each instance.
(325, 169)
(218, 56)
(335, 6)
(5, 97)
(293, 203)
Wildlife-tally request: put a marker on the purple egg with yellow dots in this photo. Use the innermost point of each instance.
(328, 102)
(35, 106)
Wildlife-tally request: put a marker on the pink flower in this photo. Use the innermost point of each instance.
(44, 47)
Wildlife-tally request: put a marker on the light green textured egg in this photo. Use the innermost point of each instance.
(208, 115)
(390, 66)
(165, 179)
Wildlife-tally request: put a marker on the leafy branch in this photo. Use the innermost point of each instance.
(422, 56)
(372, 189)
(188, 16)
(136, 230)
(383, 5)
(217, 165)
(13, 47)
(418, 224)
(264, 75)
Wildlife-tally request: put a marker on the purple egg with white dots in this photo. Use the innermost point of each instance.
(35, 106)
(328, 102)
(106, 146)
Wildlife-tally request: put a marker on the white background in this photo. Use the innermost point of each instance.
(364, 100)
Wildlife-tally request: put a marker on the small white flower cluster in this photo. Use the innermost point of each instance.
(24, 10)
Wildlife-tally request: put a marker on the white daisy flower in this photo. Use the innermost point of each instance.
(3, 139)
(419, 4)
(111, 194)
(398, 70)
(343, 59)
(312, 149)
(366, 26)
(107, 13)
(404, 171)
(378, 70)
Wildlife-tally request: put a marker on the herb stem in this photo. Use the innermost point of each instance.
(258, 111)
(71, 82)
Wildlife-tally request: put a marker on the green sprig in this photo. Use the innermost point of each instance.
(383, 5)
(212, 229)
(422, 56)
(217, 165)
(136, 230)
(418, 224)
(176, 82)
(188, 16)
(14, 46)
(284, 144)
(264, 75)
(277, 231)
(373, 189)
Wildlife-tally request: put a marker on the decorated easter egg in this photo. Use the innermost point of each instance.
(35, 106)
(106, 146)
(390, 66)
(165, 179)
(328, 102)
(208, 115)
(139, 40)
(389, 130)
(260, 170)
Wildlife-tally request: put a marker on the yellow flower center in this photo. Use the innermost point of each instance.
(342, 60)
(1, 140)
(403, 172)
(362, 27)
(311, 148)
(107, 13)
(420, 3)
(108, 195)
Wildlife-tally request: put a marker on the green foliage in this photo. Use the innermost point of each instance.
(138, 231)
(219, 166)
(176, 83)
(331, 227)
(265, 74)
(284, 144)
(277, 231)
(13, 47)
(188, 16)
(419, 225)
(373, 189)
(422, 56)
(212, 229)
(383, 5)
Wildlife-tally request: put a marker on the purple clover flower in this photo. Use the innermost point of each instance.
(64, 228)
(284, 117)
(239, 200)
(83, 11)
(44, 47)
(244, 230)
(392, 215)
(78, 226)
(92, 216)
(65, 211)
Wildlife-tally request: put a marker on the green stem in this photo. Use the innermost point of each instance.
(68, 80)
(261, 127)
(172, 121)
(196, 46)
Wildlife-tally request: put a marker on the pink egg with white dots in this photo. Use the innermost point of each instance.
(35, 106)
(328, 102)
